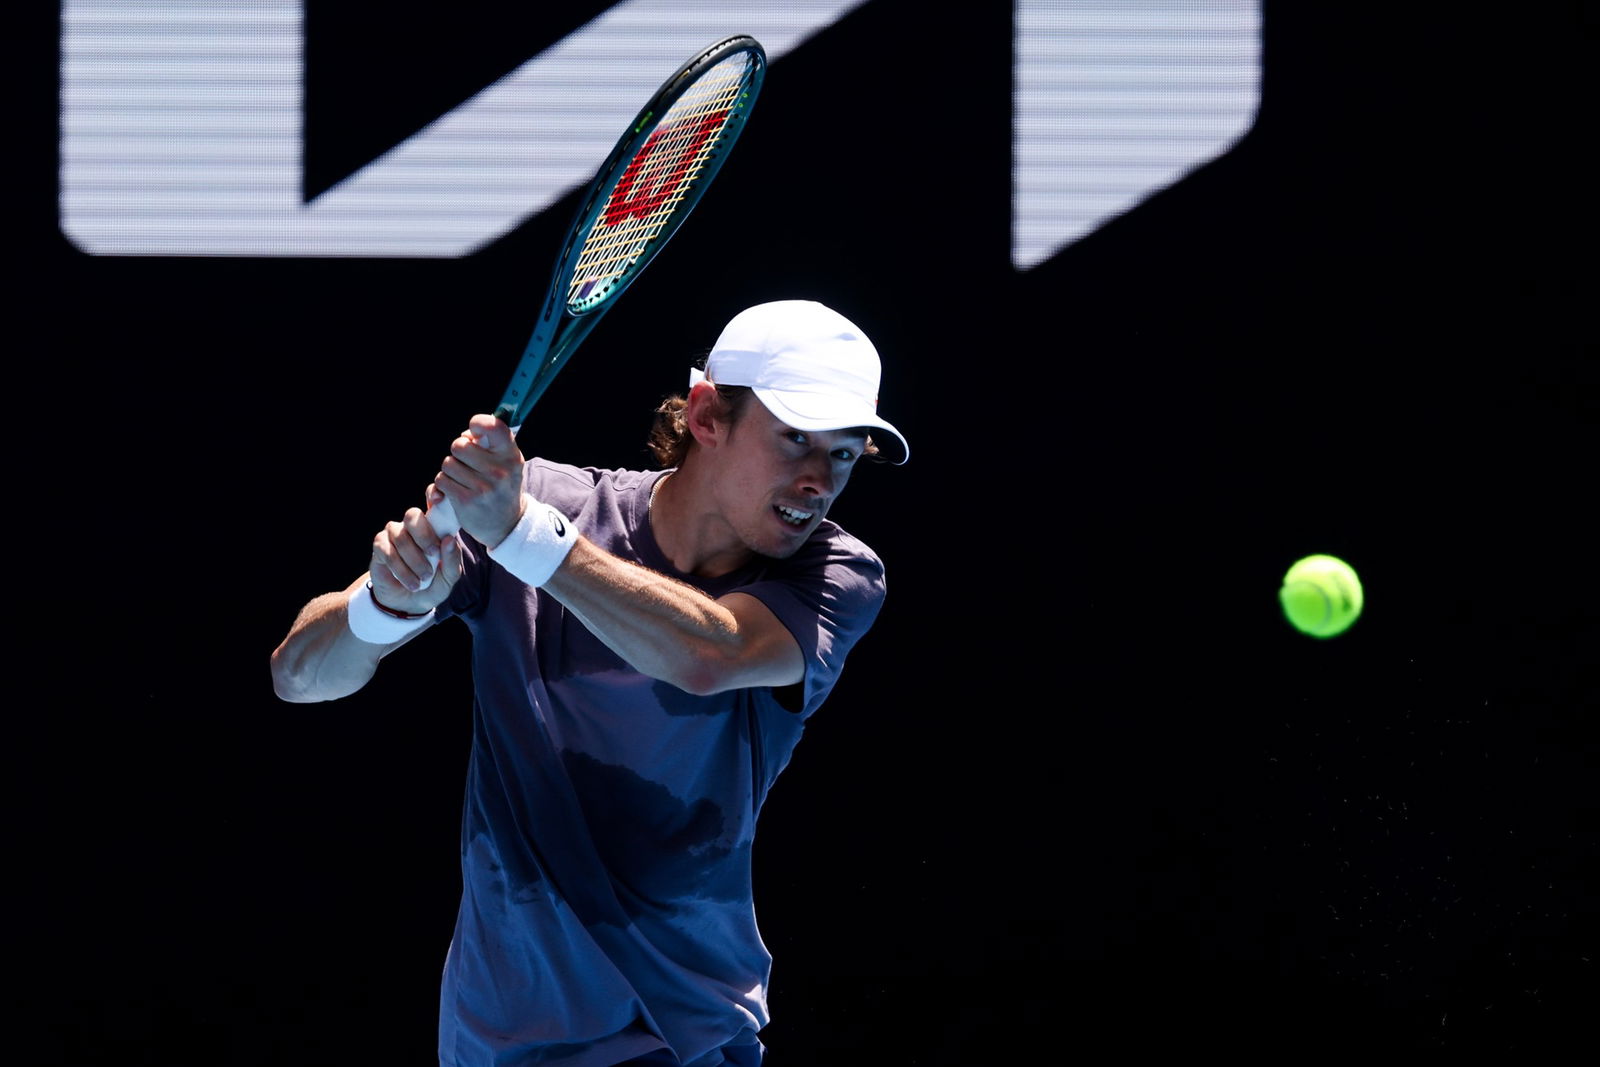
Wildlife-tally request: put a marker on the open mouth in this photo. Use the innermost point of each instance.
(793, 516)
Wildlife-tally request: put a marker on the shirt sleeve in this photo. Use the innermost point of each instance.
(827, 596)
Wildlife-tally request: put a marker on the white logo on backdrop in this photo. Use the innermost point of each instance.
(182, 128)
(1115, 100)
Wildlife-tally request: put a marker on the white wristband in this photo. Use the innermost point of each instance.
(537, 544)
(374, 625)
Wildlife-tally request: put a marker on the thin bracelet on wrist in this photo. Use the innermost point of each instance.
(390, 611)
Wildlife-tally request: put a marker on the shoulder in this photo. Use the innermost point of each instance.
(839, 570)
(834, 546)
(565, 485)
(827, 595)
(611, 507)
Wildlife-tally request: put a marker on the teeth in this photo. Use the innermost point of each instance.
(796, 517)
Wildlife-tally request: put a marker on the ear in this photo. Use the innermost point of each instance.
(704, 415)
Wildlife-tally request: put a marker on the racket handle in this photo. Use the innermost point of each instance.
(442, 517)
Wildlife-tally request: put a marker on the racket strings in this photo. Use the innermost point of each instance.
(658, 177)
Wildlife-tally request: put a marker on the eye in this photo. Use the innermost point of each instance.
(845, 455)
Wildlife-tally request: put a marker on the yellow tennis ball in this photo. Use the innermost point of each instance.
(1321, 596)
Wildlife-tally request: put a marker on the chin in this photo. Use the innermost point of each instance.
(776, 548)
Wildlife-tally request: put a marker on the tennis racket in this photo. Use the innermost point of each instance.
(653, 178)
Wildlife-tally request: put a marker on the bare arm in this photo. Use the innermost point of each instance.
(321, 658)
(672, 631)
(662, 627)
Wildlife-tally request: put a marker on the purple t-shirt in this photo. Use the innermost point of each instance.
(607, 907)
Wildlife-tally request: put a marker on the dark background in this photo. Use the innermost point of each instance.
(1082, 787)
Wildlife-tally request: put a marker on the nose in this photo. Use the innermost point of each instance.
(817, 476)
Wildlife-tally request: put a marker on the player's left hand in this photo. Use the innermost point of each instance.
(407, 557)
(482, 478)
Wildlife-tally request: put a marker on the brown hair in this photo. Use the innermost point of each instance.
(670, 439)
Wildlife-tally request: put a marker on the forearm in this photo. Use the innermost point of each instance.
(671, 631)
(321, 658)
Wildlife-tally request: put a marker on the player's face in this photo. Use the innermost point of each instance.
(777, 483)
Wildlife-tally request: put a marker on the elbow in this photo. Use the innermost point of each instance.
(283, 682)
(710, 669)
(701, 671)
(288, 682)
(698, 676)
(706, 668)
(700, 685)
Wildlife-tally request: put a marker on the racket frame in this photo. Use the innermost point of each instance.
(559, 330)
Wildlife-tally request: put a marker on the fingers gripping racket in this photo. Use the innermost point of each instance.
(653, 178)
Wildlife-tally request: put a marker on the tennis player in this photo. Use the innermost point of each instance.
(647, 649)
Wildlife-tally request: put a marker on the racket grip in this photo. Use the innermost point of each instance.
(442, 517)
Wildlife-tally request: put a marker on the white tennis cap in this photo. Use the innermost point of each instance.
(813, 368)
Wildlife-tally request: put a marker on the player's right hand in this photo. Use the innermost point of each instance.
(482, 478)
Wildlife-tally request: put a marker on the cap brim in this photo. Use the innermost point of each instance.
(890, 441)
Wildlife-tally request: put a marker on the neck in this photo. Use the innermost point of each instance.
(689, 529)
